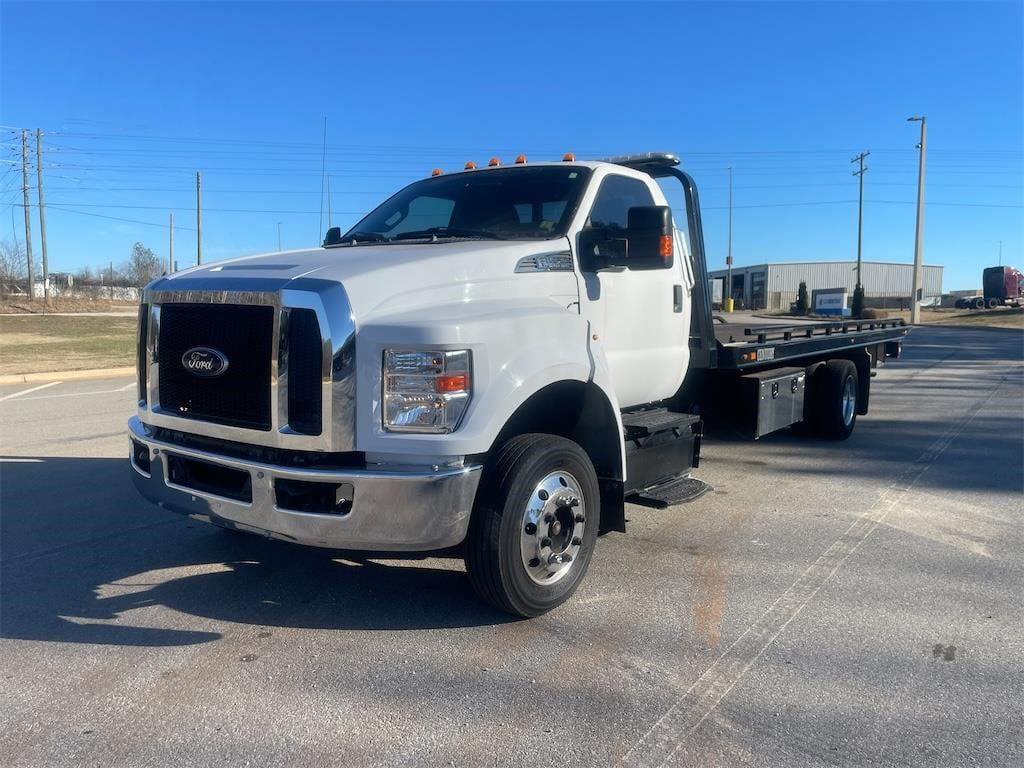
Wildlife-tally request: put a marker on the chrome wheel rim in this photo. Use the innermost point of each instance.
(849, 400)
(551, 531)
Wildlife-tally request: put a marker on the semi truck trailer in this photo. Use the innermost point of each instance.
(1000, 287)
(493, 363)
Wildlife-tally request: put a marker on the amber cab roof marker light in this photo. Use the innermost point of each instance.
(494, 161)
(520, 159)
(470, 165)
(568, 157)
(436, 172)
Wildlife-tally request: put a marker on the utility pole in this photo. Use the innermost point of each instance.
(42, 215)
(279, 235)
(170, 247)
(111, 281)
(915, 308)
(860, 211)
(727, 293)
(199, 218)
(28, 216)
(323, 175)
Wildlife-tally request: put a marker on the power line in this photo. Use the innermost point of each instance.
(116, 218)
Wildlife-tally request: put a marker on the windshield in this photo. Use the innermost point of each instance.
(501, 204)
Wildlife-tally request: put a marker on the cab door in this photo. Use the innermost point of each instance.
(640, 317)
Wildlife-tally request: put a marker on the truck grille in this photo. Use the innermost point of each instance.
(240, 396)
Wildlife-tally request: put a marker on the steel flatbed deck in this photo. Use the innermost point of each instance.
(742, 346)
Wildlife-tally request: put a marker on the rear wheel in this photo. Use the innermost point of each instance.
(534, 525)
(979, 303)
(833, 405)
(993, 303)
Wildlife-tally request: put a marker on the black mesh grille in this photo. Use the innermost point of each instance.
(244, 335)
(305, 372)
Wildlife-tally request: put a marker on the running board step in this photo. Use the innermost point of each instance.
(679, 490)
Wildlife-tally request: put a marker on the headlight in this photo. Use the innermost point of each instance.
(425, 391)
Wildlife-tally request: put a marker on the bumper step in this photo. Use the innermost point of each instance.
(679, 490)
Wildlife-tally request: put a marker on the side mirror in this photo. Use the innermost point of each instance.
(333, 236)
(650, 237)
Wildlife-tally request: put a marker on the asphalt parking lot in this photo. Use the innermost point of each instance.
(829, 604)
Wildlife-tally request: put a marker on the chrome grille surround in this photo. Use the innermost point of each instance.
(337, 331)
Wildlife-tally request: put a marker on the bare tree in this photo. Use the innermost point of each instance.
(143, 265)
(12, 261)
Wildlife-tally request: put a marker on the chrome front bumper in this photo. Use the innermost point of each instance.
(410, 511)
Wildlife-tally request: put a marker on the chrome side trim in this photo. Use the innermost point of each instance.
(337, 332)
(556, 261)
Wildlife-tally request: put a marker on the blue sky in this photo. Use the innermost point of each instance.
(133, 98)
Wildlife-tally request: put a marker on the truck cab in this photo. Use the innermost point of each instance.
(490, 362)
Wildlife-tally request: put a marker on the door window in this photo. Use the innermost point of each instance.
(614, 199)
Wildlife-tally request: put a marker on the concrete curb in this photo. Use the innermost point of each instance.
(94, 373)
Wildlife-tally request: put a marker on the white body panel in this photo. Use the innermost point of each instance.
(644, 340)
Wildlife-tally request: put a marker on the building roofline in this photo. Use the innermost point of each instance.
(816, 263)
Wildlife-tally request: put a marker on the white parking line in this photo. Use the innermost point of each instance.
(26, 391)
(126, 387)
(79, 394)
(668, 735)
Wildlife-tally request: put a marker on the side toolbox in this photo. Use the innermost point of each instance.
(773, 399)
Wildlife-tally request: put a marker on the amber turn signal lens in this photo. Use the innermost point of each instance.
(520, 159)
(665, 248)
(454, 382)
(436, 172)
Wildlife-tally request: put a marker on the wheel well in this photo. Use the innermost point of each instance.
(581, 412)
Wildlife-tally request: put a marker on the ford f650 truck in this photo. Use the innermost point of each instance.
(493, 361)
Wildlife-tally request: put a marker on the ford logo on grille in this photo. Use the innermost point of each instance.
(204, 361)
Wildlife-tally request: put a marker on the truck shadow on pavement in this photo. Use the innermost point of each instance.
(85, 560)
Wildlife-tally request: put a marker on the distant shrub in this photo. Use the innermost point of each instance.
(874, 314)
(802, 302)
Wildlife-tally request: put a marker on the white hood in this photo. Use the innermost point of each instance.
(382, 279)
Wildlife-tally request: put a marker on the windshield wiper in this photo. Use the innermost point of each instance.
(364, 237)
(439, 232)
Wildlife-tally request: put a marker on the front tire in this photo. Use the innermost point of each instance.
(534, 525)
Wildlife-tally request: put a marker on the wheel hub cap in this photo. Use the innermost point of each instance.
(849, 400)
(551, 532)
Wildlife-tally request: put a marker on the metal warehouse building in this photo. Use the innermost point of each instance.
(774, 286)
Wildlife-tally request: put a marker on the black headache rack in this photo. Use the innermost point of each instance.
(740, 347)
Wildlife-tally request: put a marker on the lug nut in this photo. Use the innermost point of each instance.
(530, 529)
(545, 542)
(579, 518)
(563, 557)
(549, 518)
(534, 562)
(577, 541)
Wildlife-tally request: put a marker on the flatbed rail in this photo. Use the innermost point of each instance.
(767, 346)
(766, 333)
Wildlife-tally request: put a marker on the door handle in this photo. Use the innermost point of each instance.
(677, 298)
